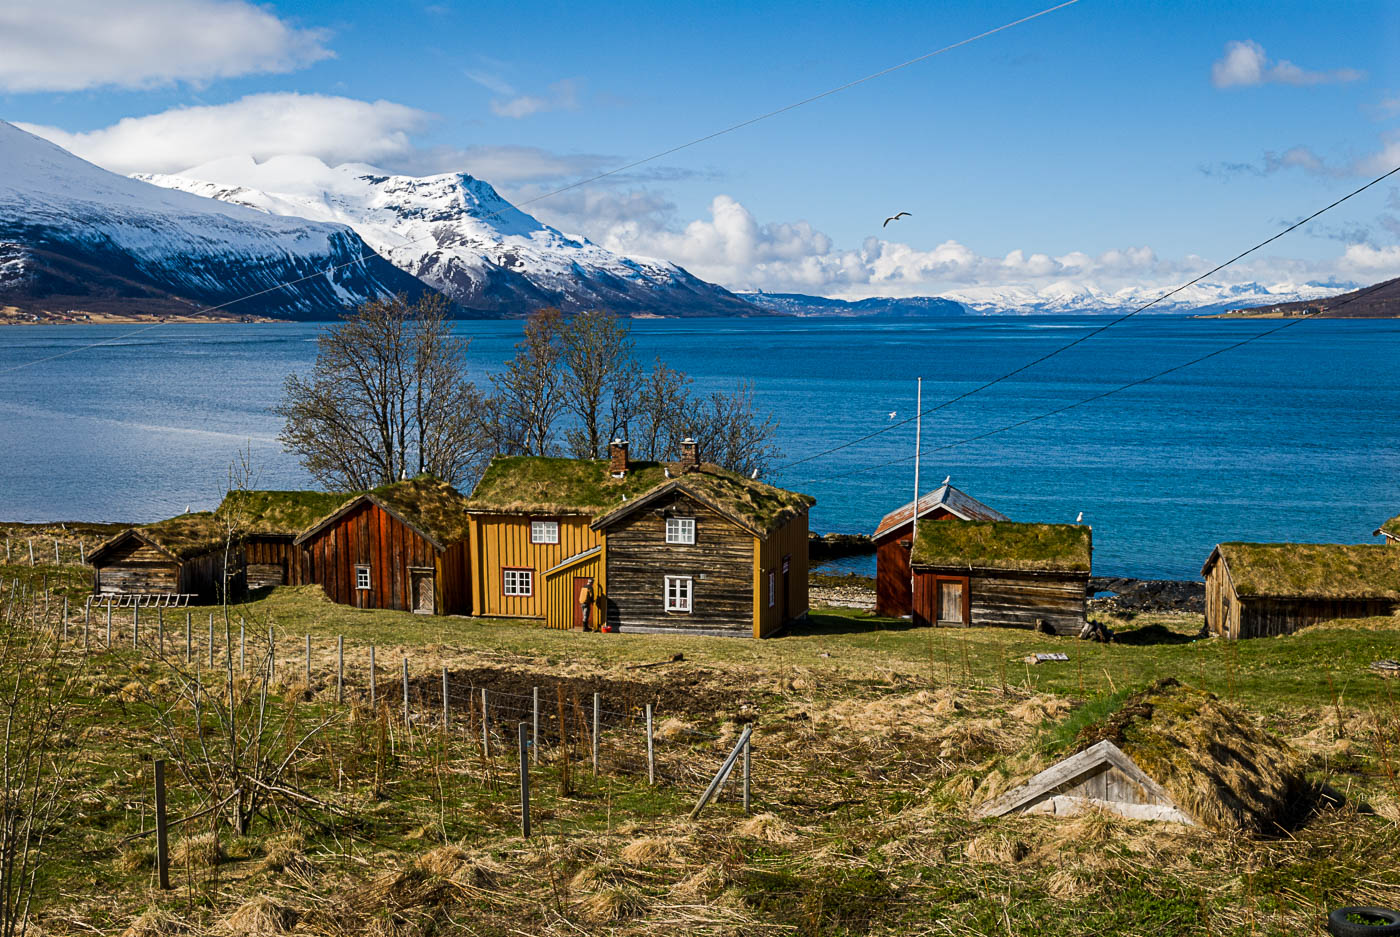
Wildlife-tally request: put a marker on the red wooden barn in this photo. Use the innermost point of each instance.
(893, 578)
(401, 546)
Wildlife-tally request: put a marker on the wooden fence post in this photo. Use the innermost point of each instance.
(405, 689)
(31, 552)
(109, 624)
(242, 647)
(597, 705)
(524, 786)
(485, 727)
(748, 745)
(65, 618)
(535, 725)
(87, 619)
(340, 668)
(136, 625)
(651, 750)
(271, 656)
(211, 639)
(82, 553)
(446, 714)
(55, 554)
(723, 774)
(162, 831)
(160, 631)
(308, 662)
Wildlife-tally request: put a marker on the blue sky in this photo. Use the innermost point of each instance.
(1111, 144)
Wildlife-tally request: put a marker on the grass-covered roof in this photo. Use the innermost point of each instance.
(536, 485)
(1391, 527)
(278, 512)
(188, 535)
(1003, 545)
(430, 504)
(1313, 570)
(1218, 766)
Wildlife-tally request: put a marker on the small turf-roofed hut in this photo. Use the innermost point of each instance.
(1390, 530)
(1002, 573)
(1257, 589)
(534, 550)
(401, 546)
(707, 552)
(271, 521)
(180, 555)
(894, 595)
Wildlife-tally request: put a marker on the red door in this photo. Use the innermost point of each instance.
(584, 611)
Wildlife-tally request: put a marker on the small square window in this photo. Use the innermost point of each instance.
(361, 577)
(678, 594)
(518, 582)
(544, 531)
(680, 530)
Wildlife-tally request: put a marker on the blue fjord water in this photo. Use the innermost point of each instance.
(1292, 437)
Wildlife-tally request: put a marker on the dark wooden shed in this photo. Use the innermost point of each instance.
(269, 522)
(893, 578)
(707, 552)
(1390, 530)
(401, 546)
(1002, 573)
(1258, 589)
(181, 555)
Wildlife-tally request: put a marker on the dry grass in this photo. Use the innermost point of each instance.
(649, 850)
(201, 851)
(259, 917)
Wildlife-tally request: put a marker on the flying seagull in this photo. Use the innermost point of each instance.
(892, 414)
(894, 217)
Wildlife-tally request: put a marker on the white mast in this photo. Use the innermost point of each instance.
(914, 531)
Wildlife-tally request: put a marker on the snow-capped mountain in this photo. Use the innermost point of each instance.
(73, 235)
(1070, 298)
(457, 234)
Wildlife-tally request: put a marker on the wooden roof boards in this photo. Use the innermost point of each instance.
(953, 500)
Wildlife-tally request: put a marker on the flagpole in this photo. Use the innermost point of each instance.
(914, 531)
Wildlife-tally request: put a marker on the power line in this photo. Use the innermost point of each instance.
(1103, 328)
(602, 175)
(1107, 393)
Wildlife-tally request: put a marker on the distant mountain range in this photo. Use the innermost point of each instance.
(455, 233)
(74, 236)
(1379, 301)
(1070, 299)
(800, 304)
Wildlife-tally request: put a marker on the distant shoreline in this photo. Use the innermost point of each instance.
(12, 315)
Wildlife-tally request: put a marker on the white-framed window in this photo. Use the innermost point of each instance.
(772, 589)
(361, 577)
(518, 582)
(544, 531)
(678, 594)
(680, 530)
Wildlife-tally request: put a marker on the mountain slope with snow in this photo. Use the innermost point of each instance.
(456, 233)
(1071, 298)
(73, 235)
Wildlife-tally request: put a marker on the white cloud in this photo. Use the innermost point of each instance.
(1245, 64)
(563, 96)
(1374, 263)
(69, 45)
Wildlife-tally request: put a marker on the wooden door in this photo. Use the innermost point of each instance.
(583, 614)
(424, 600)
(952, 602)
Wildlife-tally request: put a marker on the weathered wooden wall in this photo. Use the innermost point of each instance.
(1260, 618)
(788, 541)
(1014, 599)
(1222, 607)
(560, 597)
(273, 561)
(369, 535)
(134, 566)
(721, 564)
(502, 541)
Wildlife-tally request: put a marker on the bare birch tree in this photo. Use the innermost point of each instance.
(598, 379)
(386, 398)
(529, 394)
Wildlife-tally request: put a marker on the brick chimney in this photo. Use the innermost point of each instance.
(690, 455)
(617, 452)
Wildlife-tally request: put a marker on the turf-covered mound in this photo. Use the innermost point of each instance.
(1221, 769)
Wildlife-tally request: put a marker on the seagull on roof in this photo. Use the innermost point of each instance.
(666, 470)
(1080, 518)
(753, 474)
(187, 509)
(895, 217)
(947, 480)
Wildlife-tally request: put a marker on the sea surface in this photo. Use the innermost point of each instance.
(1295, 436)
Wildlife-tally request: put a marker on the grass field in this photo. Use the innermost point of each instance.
(874, 743)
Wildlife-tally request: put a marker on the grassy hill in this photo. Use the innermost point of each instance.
(1379, 301)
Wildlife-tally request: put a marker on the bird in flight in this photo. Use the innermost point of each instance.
(894, 217)
(892, 414)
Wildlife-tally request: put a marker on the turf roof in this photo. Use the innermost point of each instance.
(427, 503)
(279, 512)
(1003, 545)
(1313, 570)
(186, 536)
(1392, 526)
(537, 485)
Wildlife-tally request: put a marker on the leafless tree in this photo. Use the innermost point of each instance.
(731, 431)
(598, 379)
(529, 394)
(387, 397)
(657, 422)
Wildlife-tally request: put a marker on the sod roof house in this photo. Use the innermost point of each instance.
(1172, 753)
(540, 550)
(271, 521)
(1002, 573)
(1256, 589)
(707, 552)
(179, 556)
(893, 536)
(401, 546)
(1390, 530)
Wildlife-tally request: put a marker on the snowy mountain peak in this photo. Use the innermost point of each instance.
(457, 233)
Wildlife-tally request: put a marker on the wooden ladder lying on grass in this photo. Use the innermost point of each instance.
(141, 599)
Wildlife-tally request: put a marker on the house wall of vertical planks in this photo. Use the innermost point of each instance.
(503, 542)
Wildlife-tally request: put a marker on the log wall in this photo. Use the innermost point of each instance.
(273, 561)
(1014, 598)
(721, 564)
